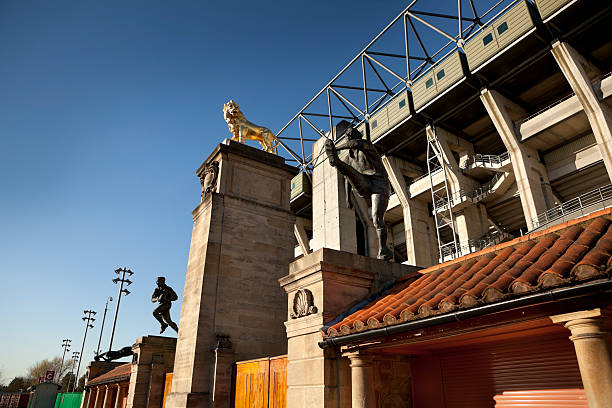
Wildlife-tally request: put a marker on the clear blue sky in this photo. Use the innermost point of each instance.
(107, 108)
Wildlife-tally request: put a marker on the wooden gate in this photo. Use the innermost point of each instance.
(261, 383)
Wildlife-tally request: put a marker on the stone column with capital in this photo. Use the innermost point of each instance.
(242, 242)
(362, 387)
(590, 331)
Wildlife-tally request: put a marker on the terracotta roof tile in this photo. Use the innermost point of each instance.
(121, 372)
(568, 253)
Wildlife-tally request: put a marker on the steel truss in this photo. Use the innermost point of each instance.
(417, 56)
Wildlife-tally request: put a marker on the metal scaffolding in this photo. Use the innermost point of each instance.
(441, 199)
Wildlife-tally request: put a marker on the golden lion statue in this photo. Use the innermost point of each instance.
(242, 129)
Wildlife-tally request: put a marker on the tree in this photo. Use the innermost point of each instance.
(66, 380)
(17, 384)
(40, 368)
(81, 386)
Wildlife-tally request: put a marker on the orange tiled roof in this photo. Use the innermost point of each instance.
(118, 373)
(567, 253)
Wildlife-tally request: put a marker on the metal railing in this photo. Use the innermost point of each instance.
(473, 195)
(448, 251)
(435, 171)
(581, 205)
(533, 115)
(487, 160)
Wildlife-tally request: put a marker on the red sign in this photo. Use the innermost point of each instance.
(50, 375)
(41, 380)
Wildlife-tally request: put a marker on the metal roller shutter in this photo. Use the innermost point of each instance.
(473, 377)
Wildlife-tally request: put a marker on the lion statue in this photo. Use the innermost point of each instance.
(242, 129)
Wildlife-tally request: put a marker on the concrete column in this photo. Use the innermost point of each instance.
(421, 247)
(579, 72)
(471, 223)
(333, 223)
(591, 335)
(529, 172)
(362, 387)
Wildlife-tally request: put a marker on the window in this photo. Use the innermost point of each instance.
(487, 39)
(429, 83)
(402, 103)
(502, 27)
(440, 74)
(374, 124)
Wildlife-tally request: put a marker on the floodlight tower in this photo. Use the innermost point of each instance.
(75, 357)
(66, 347)
(88, 319)
(120, 271)
(108, 299)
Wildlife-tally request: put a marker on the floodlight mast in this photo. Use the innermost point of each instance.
(88, 319)
(66, 347)
(75, 356)
(108, 299)
(120, 271)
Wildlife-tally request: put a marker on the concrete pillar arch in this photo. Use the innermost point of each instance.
(579, 71)
(501, 110)
(415, 213)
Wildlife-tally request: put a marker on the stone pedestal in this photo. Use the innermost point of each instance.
(320, 286)
(153, 358)
(591, 336)
(242, 243)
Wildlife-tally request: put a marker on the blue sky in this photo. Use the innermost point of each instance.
(107, 108)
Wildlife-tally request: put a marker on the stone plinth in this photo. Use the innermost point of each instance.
(320, 286)
(242, 243)
(153, 358)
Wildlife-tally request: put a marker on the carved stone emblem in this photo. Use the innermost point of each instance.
(208, 178)
(303, 304)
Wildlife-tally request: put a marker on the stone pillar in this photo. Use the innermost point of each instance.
(86, 398)
(530, 174)
(118, 398)
(579, 72)
(242, 242)
(333, 223)
(362, 386)
(153, 358)
(106, 401)
(97, 397)
(320, 286)
(591, 336)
